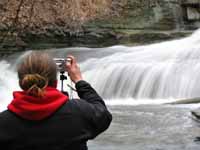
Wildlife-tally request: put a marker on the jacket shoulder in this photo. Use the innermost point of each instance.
(6, 114)
(74, 106)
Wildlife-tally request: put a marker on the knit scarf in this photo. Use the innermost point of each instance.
(34, 108)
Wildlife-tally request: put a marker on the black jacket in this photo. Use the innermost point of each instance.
(69, 128)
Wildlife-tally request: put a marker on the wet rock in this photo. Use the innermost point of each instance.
(196, 115)
(187, 101)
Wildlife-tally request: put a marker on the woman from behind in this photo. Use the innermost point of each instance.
(41, 117)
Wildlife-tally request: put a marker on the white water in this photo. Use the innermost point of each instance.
(151, 74)
(8, 83)
(159, 71)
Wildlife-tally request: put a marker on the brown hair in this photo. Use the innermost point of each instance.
(36, 71)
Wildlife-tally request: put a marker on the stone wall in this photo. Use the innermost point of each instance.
(191, 13)
(145, 14)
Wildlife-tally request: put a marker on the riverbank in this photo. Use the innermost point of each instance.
(135, 23)
(90, 38)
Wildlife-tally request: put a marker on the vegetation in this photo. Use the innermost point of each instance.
(18, 16)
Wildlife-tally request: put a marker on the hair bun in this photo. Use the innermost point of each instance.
(34, 84)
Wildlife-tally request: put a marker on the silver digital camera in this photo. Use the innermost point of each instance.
(61, 63)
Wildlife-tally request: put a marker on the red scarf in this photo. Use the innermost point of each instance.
(34, 108)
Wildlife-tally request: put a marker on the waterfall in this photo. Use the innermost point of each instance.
(8, 83)
(167, 70)
(158, 71)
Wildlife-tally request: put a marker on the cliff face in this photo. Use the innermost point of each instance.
(137, 22)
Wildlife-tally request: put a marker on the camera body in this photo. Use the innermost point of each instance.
(61, 63)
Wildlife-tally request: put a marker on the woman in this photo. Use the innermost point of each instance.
(41, 117)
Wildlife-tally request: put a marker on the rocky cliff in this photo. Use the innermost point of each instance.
(138, 22)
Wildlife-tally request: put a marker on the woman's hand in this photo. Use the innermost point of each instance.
(73, 69)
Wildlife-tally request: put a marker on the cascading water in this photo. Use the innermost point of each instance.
(167, 70)
(164, 70)
(8, 83)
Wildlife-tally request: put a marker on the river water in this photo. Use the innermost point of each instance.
(149, 127)
(136, 83)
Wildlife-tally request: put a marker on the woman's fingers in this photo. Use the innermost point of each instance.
(73, 69)
(71, 60)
